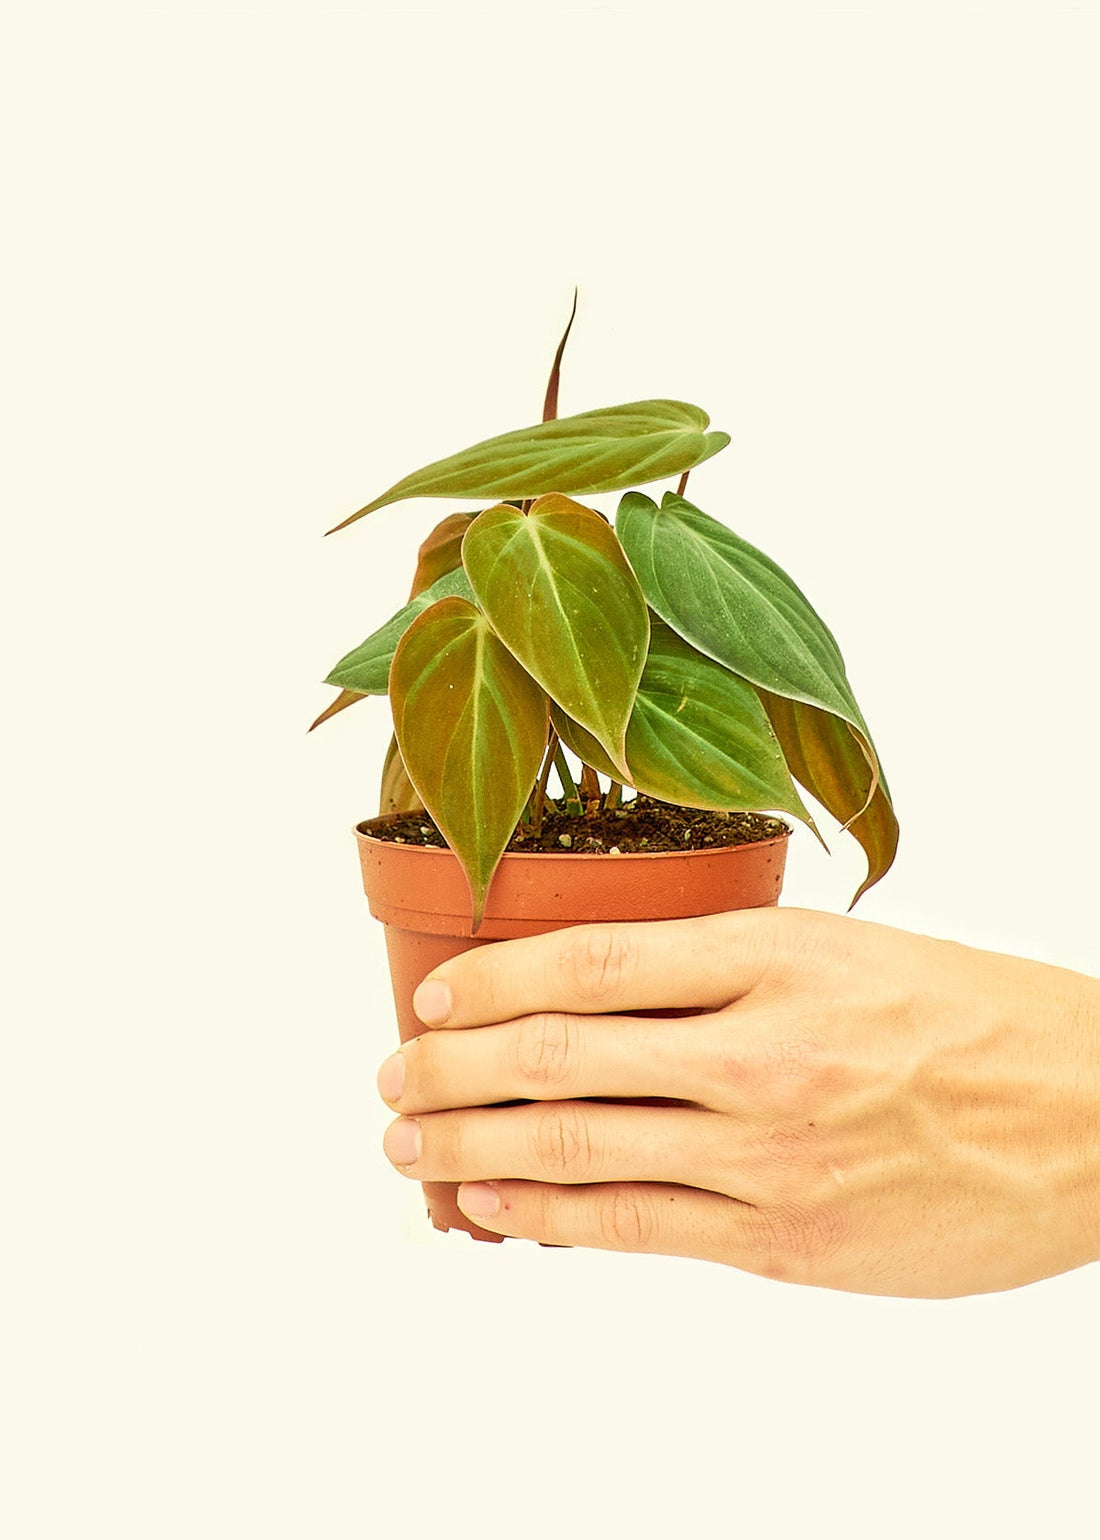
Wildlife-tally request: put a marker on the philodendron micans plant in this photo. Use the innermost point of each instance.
(663, 651)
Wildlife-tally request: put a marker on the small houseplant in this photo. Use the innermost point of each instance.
(668, 656)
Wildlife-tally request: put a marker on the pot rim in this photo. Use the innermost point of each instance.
(362, 831)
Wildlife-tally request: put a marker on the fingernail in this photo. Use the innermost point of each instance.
(432, 1002)
(478, 1200)
(391, 1078)
(401, 1142)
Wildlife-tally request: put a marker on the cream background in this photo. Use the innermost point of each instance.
(261, 264)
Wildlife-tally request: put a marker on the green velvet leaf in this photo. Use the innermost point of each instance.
(366, 669)
(440, 553)
(559, 593)
(471, 726)
(736, 605)
(587, 749)
(600, 451)
(698, 736)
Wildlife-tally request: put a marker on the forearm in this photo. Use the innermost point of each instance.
(1085, 1027)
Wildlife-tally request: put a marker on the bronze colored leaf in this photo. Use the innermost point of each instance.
(441, 552)
(345, 699)
(471, 725)
(559, 593)
(827, 758)
(397, 793)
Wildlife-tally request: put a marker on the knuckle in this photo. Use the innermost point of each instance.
(495, 975)
(794, 943)
(788, 1073)
(539, 1212)
(563, 1149)
(769, 1163)
(545, 1050)
(443, 1147)
(790, 1148)
(597, 960)
(790, 1066)
(422, 1077)
(792, 1156)
(627, 1221)
(798, 1241)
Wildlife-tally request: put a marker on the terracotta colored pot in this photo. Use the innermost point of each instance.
(420, 895)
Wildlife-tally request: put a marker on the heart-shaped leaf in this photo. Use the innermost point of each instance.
(439, 554)
(366, 669)
(826, 757)
(559, 593)
(472, 726)
(732, 602)
(601, 451)
(736, 605)
(698, 736)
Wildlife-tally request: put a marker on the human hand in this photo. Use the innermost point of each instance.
(849, 1105)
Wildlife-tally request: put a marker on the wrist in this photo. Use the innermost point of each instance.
(1088, 1036)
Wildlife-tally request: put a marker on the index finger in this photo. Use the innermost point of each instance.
(695, 964)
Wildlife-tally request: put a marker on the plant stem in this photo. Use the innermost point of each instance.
(590, 785)
(682, 488)
(539, 796)
(573, 804)
(614, 796)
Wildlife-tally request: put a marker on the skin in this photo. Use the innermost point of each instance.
(838, 1103)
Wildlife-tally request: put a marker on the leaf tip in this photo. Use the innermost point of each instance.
(478, 895)
(343, 700)
(808, 820)
(874, 874)
(359, 513)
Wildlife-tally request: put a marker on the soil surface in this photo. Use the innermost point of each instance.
(641, 825)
